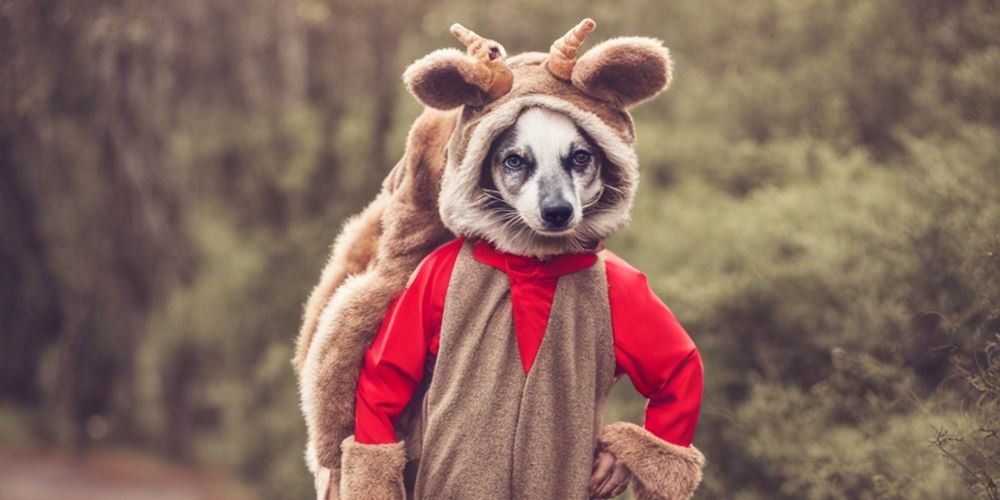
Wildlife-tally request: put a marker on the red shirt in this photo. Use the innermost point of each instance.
(651, 347)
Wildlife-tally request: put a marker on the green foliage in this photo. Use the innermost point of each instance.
(973, 446)
(819, 207)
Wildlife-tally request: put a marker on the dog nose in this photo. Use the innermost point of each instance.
(558, 214)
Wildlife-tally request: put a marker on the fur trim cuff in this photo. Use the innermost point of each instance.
(372, 471)
(660, 470)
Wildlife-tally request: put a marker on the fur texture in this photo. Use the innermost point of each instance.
(409, 229)
(446, 79)
(380, 248)
(492, 431)
(373, 471)
(660, 470)
(545, 172)
(614, 75)
(466, 210)
(326, 482)
(352, 253)
(624, 71)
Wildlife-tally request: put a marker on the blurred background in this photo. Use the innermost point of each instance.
(820, 206)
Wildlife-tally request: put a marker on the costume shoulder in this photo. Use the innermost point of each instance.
(639, 317)
(437, 265)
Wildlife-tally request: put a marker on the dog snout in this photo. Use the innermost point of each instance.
(557, 214)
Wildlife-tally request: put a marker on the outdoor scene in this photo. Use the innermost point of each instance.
(819, 206)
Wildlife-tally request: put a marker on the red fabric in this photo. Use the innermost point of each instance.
(650, 345)
(655, 352)
(394, 363)
(532, 288)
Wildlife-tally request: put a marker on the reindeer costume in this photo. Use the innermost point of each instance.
(485, 375)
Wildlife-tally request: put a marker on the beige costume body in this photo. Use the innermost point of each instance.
(491, 431)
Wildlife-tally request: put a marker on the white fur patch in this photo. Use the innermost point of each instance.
(546, 131)
(549, 135)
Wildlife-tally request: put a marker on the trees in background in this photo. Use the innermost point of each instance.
(819, 207)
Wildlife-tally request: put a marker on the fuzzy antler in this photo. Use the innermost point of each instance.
(493, 75)
(562, 54)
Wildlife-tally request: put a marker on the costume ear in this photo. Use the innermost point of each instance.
(624, 71)
(447, 78)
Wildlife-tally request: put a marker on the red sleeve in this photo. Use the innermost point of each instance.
(394, 363)
(655, 352)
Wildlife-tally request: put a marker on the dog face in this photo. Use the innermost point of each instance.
(519, 203)
(544, 173)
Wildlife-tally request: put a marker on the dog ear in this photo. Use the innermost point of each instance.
(447, 78)
(624, 71)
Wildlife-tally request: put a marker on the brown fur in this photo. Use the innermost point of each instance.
(326, 482)
(373, 471)
(466, 211)
(446, 79)
(624, 71)
(410, 229)
(352, 252)
(380, 248)
(608, 78)
(660, 470)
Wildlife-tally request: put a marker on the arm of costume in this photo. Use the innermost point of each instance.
(393, 367)
(663, 364)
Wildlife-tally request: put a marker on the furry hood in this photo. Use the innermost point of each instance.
(595, 92)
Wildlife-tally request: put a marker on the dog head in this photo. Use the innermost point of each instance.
(542, 159)
(544, 174)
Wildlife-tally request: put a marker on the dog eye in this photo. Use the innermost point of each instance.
(581, 158)
(513, 162)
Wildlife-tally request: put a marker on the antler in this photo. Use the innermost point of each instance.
(492, 74)
(562, 54)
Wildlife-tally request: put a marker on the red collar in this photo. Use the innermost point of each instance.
(519, 266)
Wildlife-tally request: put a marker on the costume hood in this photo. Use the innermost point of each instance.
(595, 92)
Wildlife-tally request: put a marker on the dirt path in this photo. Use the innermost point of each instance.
(107, 476)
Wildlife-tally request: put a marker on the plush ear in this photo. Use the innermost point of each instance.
(446, 79)
(624, 71)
